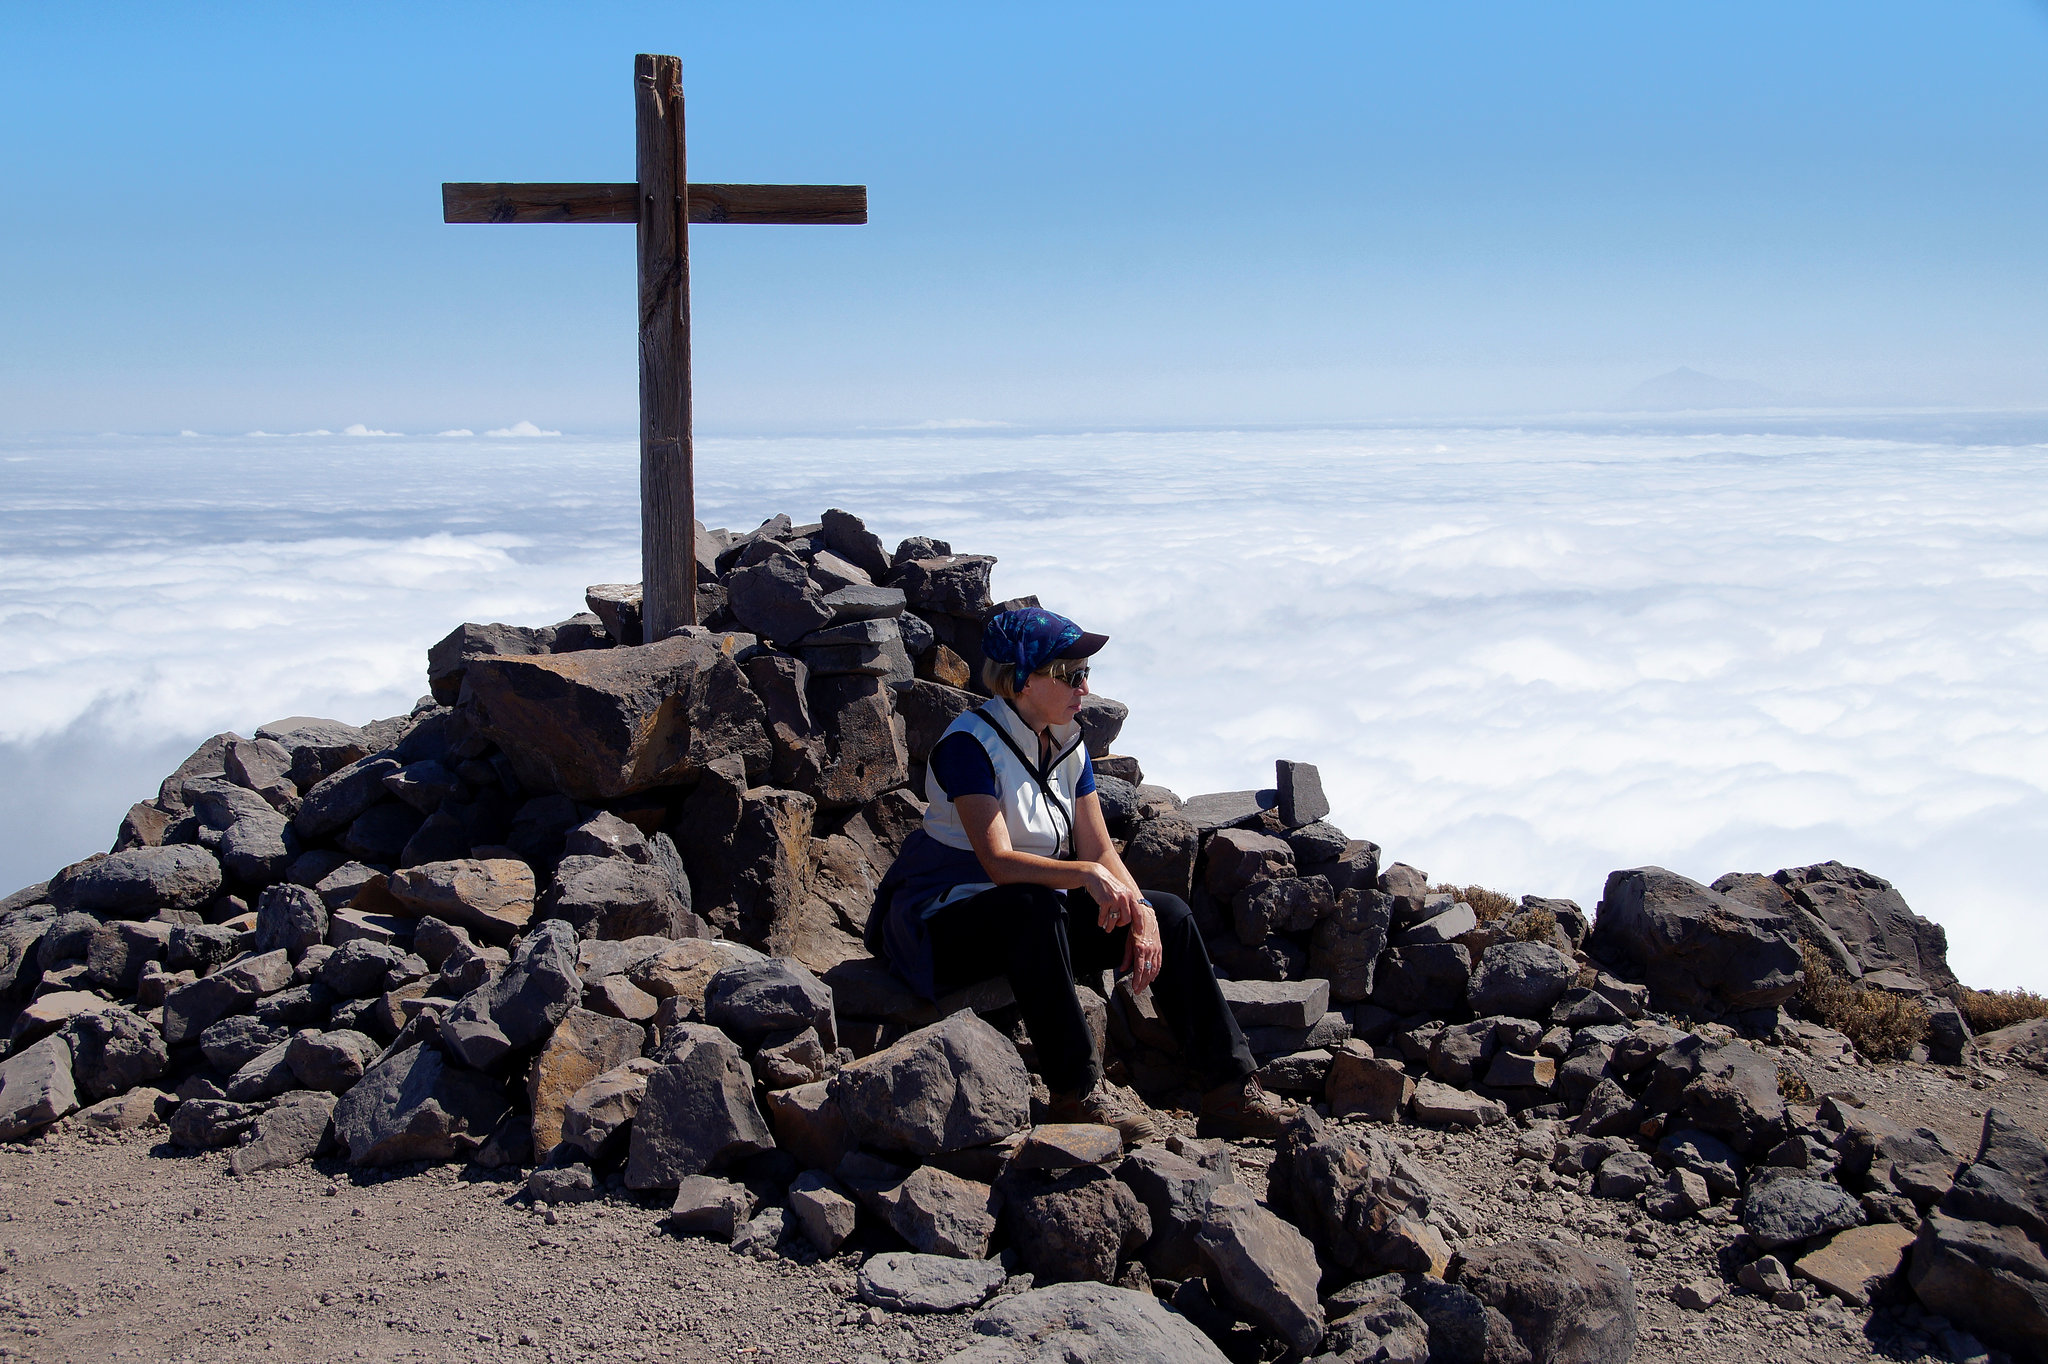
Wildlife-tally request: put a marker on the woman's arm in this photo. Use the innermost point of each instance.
(1143, 954)
(981, 817)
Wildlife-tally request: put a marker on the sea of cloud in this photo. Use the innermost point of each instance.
(1522, 657)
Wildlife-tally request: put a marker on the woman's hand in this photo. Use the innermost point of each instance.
(1143, 954)
(1115, 902)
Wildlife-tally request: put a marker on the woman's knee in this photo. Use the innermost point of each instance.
(1033, 908)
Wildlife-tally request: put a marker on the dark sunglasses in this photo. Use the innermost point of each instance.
(1073, 678)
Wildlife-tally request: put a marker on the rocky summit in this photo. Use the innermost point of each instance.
(585, 925)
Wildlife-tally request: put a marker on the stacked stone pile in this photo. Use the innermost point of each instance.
(593, 908)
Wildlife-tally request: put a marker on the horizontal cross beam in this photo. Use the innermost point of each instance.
(541, 203)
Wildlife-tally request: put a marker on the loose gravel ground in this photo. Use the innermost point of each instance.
(125, 1249)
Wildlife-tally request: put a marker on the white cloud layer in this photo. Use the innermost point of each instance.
(1520, 657)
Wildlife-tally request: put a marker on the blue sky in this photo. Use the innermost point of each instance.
(227, 217)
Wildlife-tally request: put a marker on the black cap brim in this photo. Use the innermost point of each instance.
(1083, 647)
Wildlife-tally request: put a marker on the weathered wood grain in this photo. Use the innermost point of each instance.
(567, 203)
(668, 562)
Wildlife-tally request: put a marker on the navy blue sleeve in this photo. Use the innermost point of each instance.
(960, 765)
(1086, 786)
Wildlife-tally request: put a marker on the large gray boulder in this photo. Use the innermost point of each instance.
(190, 1009)
(753, 999)
(904, 1281)
(1872, 920)
(417, 1105)
(112, 1051)
(955, 1084)
(1086, 1323)
(1698, 950)
(698, 1114)
(1368, 1207)
(136, 883)
(1426, 978)
(1520, 979)
(36, 1087)
(1786, 1209)
(344, 796)
(1175, 1192)
(609, 722)
(615, 898)
(1551, 1303)
(1072, 1224)
(291, 1130)
(521, 1007)
(1262, 1265)
(1979, 1260)
(290, 917)
(1346, 945)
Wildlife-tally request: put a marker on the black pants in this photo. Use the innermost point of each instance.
(1032, 935)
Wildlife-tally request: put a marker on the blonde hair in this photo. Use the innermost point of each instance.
(1000, 678)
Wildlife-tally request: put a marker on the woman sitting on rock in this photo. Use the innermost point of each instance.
(984, 888)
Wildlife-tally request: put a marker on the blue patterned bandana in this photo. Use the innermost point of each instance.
(1029, 638)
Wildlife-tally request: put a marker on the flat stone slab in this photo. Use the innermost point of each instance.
(1276, 1003)
(904, 1281)
(1065, 1145)
(1221, 809)
(1439, 1104)
(1852, 1264)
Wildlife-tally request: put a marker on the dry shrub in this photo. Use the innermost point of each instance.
(1990, 1010)
(1883, 1026)
(1487, 905)
(1534, 925)
(1792, 1086)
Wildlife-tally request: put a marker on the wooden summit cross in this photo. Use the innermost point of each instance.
(664, 204)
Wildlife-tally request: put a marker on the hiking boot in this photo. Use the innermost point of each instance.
(1242, 1108)
(1107, 1105)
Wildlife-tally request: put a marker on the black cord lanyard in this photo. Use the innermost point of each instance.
(1041, 777)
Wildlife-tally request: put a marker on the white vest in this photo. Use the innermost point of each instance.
(1038, 807)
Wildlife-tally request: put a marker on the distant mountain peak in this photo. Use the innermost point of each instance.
(1686, 389)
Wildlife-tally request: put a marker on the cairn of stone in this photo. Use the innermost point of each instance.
(593, 909)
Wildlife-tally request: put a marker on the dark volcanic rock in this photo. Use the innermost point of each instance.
(1521, 979)
(136, 883)
(1094, 1322)
(698, 1114)
(955, 1084)
(752, 999)
(614, 898)
(521, 1007)
(1264, 1266)
(1872, 920)
(417, 1105)
(1787, 1209)
(1696, 949)
(112, 1051)
(1555, 1301)
(1075, 1224)
(1347, 944)
(289, 917)
(610, 722)
(1429, 978)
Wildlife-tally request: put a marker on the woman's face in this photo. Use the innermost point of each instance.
(1047, 701)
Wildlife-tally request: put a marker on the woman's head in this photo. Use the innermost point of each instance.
(1037, 658)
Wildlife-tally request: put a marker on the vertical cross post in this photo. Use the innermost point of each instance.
(663, 203)
(668, 557)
